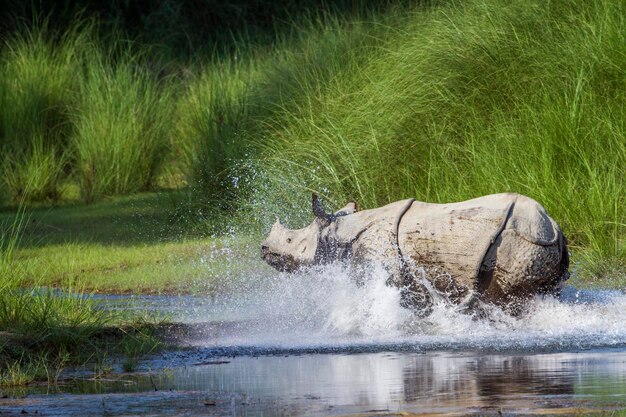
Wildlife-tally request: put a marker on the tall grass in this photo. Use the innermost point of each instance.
(121, 127)
(210, 121)
(473, 98)
(36, 320)
(74, 107)
(37, 88)
(10, 236)
(42, 330)
(441, 102)
(227, 109)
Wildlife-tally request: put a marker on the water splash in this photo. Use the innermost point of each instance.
(334, 307)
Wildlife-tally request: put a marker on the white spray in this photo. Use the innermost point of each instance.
(332, 306)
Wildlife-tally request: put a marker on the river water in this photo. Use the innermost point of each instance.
(324, 343)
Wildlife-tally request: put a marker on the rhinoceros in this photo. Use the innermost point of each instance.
(501, 248)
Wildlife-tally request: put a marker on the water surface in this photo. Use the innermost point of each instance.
(324, 343)
(455, 383)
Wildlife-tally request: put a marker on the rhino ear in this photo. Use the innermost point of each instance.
(318, 210)
(350, 208)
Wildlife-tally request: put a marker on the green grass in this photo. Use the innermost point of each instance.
(442, 103)
(210, 114)
(76, 108)
(43, 331)
(53, 260)
(439, 101)
(469, 99)
(36, 94)
(121, 127)
(126, 245)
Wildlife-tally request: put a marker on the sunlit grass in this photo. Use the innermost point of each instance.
(16, 374)
(211, 115)
(186, 267)
(73, 106)
(44, 329)
(440, 102)
(121, 128)
(127, 245)
(470, 99)
(37, 89)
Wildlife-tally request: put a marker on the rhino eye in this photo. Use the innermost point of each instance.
(288, 240)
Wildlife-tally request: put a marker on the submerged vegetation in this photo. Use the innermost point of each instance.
(440, 100)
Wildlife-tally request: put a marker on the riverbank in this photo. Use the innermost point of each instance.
(398, 384)
(51, 315)
(264, 353)
(43, 332)
(53, 261)
(440, 101)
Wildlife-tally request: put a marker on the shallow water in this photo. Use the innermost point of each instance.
(328, 308)
(323, 342)
(454, 383)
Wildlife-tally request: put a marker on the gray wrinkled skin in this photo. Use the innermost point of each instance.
(501, 248)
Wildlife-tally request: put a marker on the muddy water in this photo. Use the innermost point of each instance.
(323, 343)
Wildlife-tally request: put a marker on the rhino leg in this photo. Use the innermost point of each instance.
(413, 293)
(515, 269)
(416, 297)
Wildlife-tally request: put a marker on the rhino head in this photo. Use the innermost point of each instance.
(289, 250)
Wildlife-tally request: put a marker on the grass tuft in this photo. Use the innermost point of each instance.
(43, 329)
(121, 129)
(74, 107)
(37, 89)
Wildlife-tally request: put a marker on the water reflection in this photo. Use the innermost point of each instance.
(410, 381)
(489, 381)
(322, 384)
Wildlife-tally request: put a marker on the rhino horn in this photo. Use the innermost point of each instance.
(277, 224)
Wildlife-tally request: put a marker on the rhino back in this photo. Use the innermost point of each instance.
(453, 238)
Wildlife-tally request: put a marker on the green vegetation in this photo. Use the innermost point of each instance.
(125, 245)
(35, 91)
(121, 128)
(472, 99)
(43, 330)
(76, 110)
(52, 261)
(441, 101)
